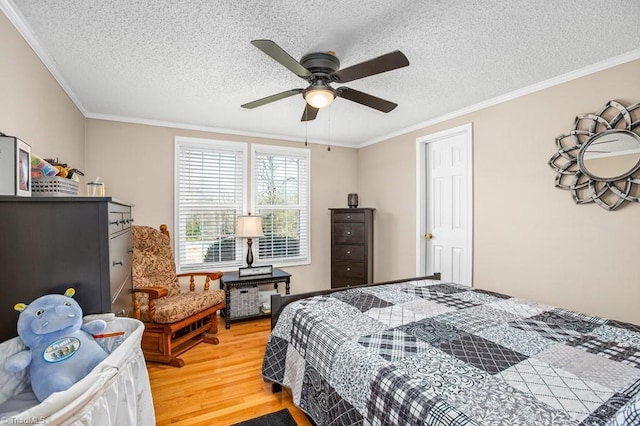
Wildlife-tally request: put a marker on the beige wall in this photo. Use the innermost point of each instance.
(33, 106)
(530, 239)
(136, 162)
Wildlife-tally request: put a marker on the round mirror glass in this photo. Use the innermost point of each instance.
(610, 155)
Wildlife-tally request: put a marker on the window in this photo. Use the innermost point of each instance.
(210, 194)
(281, 196)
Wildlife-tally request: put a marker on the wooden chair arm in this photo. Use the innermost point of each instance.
(153, 292)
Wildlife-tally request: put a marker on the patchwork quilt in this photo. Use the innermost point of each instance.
(433, 353)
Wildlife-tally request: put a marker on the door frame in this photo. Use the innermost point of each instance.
(421, 193)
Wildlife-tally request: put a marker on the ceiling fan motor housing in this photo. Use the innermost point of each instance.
(320, 63)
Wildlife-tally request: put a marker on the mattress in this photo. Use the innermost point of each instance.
(116, 392)
(436, 353)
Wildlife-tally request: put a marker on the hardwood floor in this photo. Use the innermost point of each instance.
(219, 384)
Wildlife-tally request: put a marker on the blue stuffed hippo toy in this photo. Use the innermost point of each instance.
(61, 350)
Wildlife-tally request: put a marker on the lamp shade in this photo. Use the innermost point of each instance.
(249, 227)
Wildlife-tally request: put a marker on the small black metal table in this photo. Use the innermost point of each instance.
(231, 280)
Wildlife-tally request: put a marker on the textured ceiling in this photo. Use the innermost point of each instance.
(190, 62)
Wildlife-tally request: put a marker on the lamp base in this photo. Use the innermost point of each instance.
(249, 253)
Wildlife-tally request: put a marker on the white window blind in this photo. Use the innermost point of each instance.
(210, 194)
(281, 185)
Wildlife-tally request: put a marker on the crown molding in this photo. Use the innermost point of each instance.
(225, 131)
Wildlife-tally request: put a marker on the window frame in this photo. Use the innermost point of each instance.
(206, 145)
(283, 151)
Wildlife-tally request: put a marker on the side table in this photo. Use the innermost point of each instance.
(231, 280)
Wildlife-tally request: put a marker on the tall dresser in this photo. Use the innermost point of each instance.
(351, 246)
(52, 243)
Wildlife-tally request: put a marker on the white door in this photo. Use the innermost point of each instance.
(447, 205)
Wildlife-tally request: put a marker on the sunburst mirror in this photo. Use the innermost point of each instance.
(599, 159)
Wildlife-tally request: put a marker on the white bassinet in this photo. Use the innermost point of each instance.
(115, 393)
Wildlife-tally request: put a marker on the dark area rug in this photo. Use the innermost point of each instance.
(279, 418)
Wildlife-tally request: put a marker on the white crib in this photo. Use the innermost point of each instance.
(116, 392)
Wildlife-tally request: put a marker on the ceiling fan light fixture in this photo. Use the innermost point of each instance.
(319, 96)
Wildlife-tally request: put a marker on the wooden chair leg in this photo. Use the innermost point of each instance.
(210, 335)
(176, 362)
(211, 339)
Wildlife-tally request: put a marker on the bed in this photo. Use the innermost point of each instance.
(427, 352)
(116, 392)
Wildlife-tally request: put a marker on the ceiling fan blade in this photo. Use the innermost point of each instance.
(384, 63)
(272, 98)
(282, 57)
(366, 99)
(309, 113)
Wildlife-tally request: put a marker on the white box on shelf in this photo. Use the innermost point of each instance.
(264, 297)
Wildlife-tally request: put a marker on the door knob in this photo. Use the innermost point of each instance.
(428, 236)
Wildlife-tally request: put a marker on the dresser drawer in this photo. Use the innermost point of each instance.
(345, 232)
(338, 282)
(347, 269)
(348, 217)
(348, 252)
(119, 218)
(122, 299)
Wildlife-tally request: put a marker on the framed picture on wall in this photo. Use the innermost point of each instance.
(23, 174)
(15, 167)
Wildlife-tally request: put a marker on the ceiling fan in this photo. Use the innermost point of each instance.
(321, 69)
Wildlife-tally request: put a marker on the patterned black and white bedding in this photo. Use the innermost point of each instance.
(433, 353)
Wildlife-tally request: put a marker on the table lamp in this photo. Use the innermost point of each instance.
(249, 227)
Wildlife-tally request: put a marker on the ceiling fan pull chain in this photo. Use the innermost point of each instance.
(329, 145)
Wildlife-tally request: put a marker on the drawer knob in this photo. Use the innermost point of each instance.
(348, 251)
(348, 269)
(348, 216)
(117, 262)
(348, 232)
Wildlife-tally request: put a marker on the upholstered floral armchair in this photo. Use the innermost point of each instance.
(175, 320)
